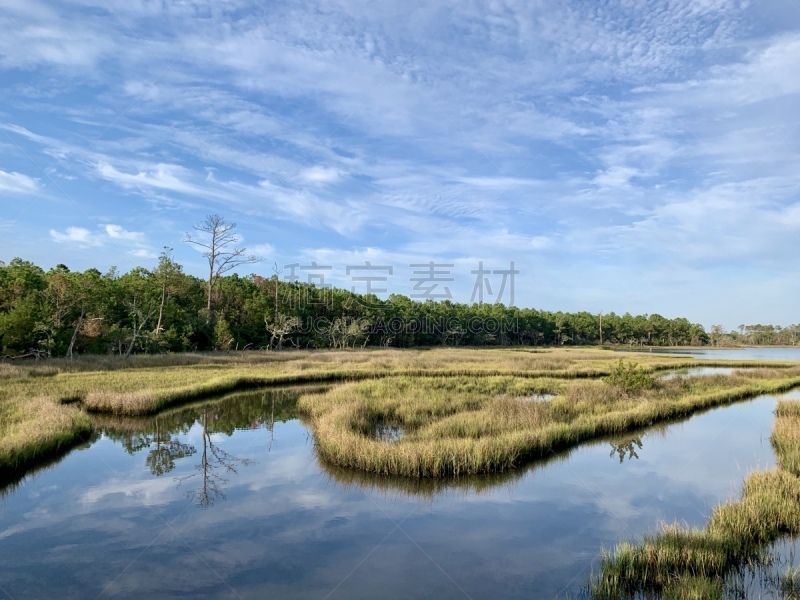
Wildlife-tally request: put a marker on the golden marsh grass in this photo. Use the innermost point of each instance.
(489, 385)
(460, 425)
(676, 562)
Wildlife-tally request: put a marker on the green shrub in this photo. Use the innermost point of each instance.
(223, 338)
(630, 378)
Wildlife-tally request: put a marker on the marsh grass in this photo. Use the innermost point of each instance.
(460, 425)
(677, 560)
(36, 430)
(431, 487)
(11, 371)
(790, 583)
(145, 385)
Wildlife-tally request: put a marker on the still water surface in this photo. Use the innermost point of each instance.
(228, 500)
(763, 354)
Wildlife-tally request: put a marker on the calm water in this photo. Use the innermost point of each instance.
(765, 354)
(766, 576)
(228, 500)
(702, 372)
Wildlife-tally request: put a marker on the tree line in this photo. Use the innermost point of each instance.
(163, 309)
(62, 313)
(755, 335)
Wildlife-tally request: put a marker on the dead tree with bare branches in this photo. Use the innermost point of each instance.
(219, 241)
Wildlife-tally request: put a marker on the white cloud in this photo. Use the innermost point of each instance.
(117, 232)
(615, 177)
(161, 176)
(85, 238)
(499, 182)
(17, 183)
(264, 250)
(143, 253)
(322, 174)
(76, 235)
(767, 71)
(36, 34)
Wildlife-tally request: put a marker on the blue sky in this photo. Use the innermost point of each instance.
(633, 156)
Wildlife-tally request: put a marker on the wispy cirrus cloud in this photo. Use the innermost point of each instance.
(629, 139)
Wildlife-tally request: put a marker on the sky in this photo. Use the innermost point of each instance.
(626, 156)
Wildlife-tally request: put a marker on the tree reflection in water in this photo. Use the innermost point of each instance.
(215, 464)
(161, 459)
(155, 434)
(626, 448)
(161, 436)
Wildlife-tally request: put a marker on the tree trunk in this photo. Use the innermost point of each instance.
(132, 344)
(276, 298)
(75, 335)
(161, 308)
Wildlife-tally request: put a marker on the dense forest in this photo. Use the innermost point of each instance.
(64, 313)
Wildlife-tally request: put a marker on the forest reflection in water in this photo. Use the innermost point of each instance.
(164, 439)
(163, 436)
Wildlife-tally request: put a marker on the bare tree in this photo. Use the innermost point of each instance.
(279, 329)
(277, 276)
(219, 241)
(140, 313)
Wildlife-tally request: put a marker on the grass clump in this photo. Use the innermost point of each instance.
(678, 560)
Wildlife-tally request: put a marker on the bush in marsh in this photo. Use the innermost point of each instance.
(630, 378)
